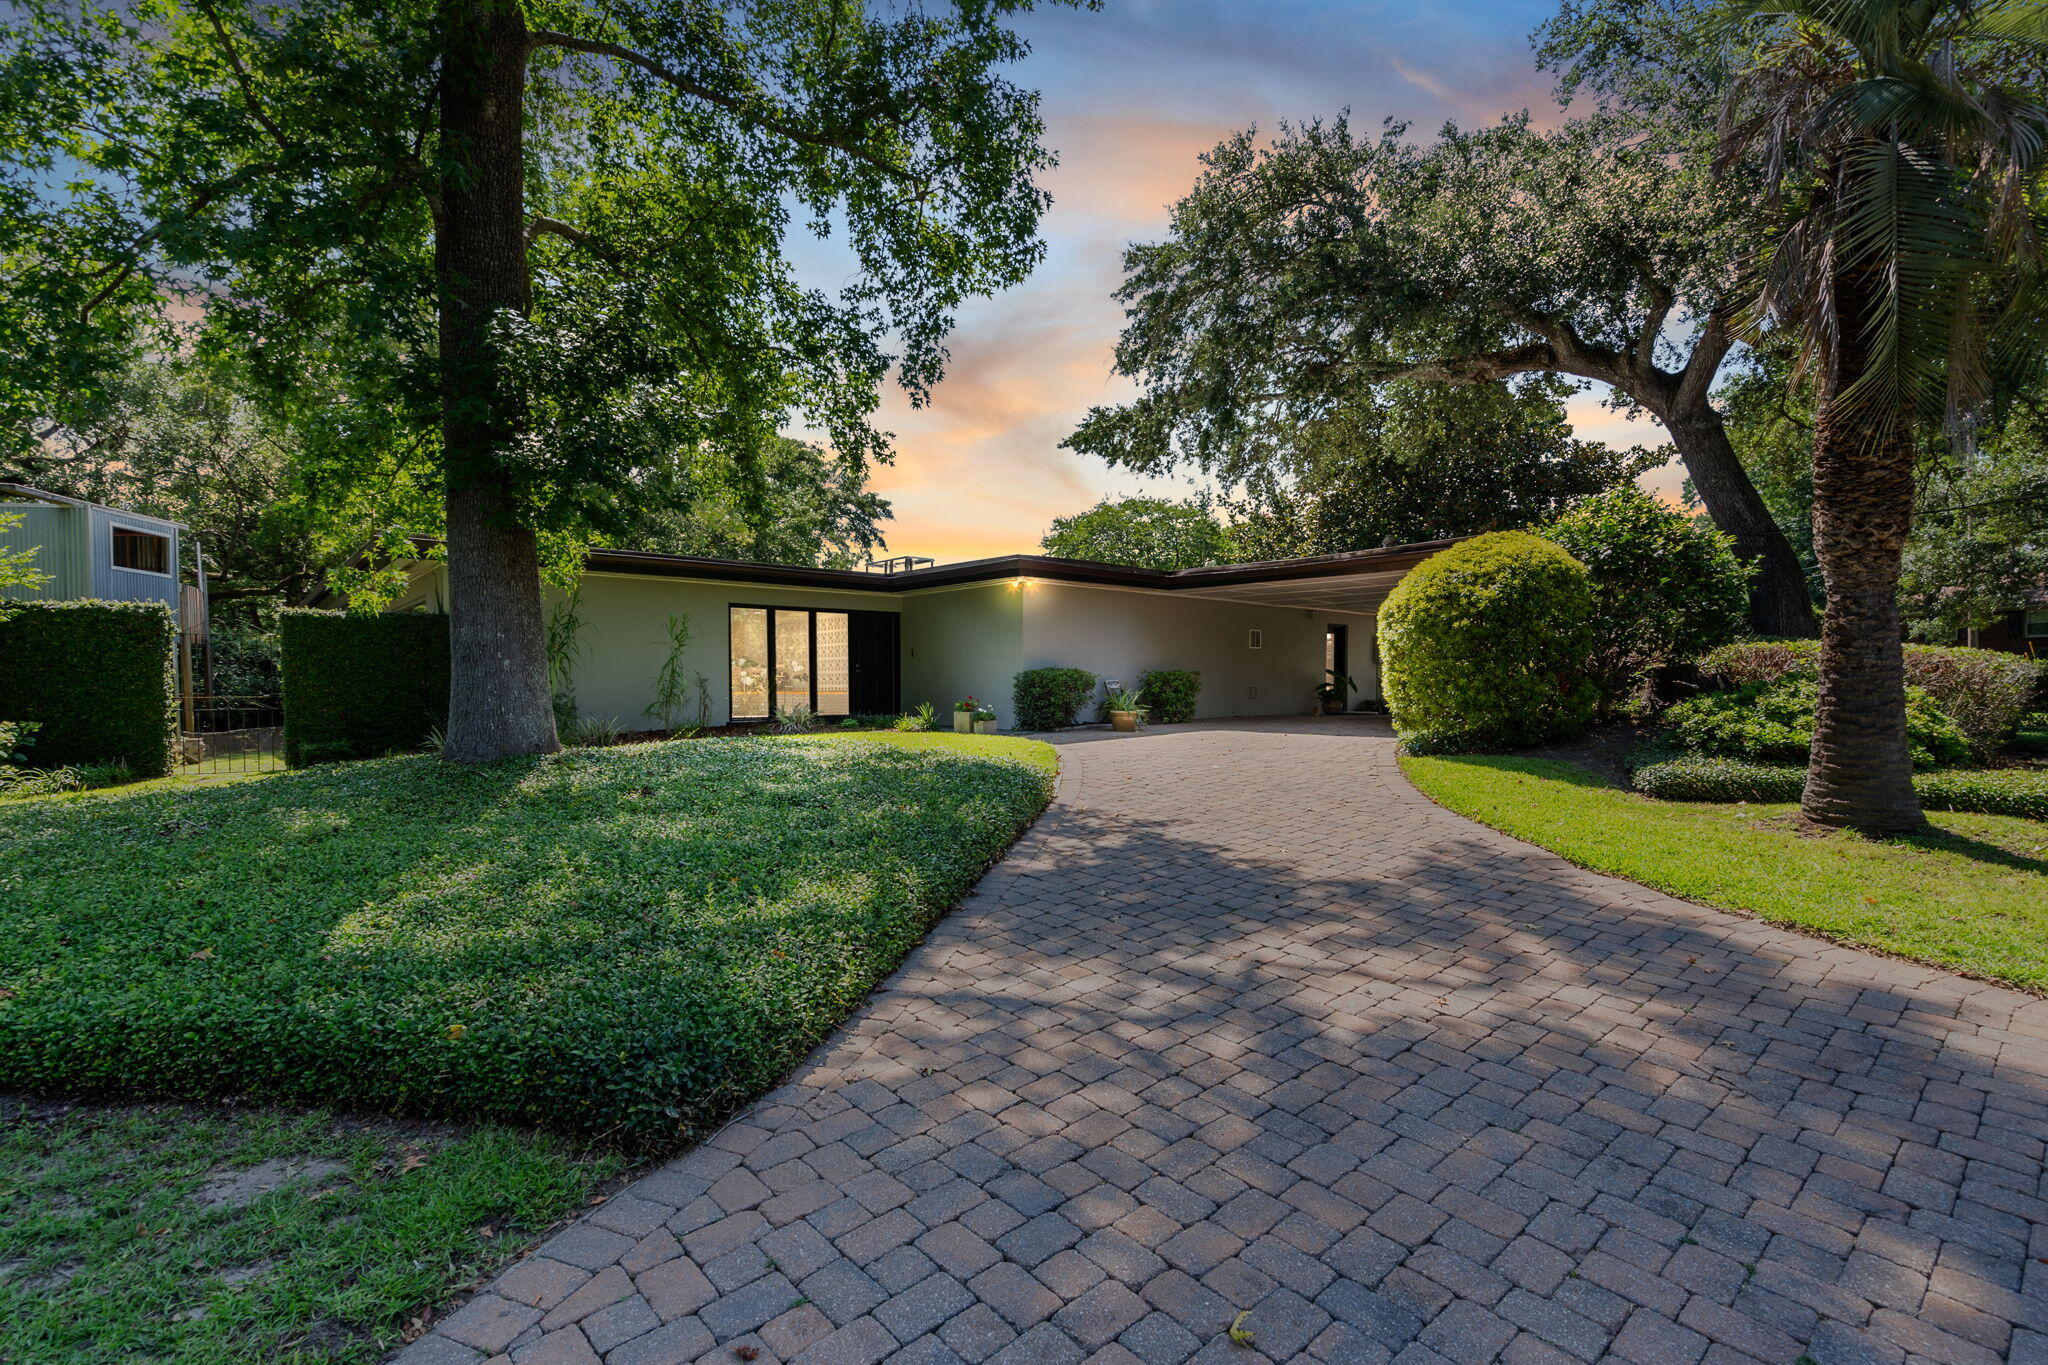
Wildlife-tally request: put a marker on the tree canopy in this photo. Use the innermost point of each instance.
(513, 256)
(1409, 462)
(1148, 533)
(1303, 269)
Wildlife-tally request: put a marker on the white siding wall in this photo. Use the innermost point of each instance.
(962, 642)
(1119, 633)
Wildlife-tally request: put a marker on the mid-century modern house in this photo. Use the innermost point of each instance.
(882, 640)
(87, 550)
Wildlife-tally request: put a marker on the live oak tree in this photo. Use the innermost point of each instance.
(1907, 139)
(515, 255)
(1304, 268)
(1408, 462)
(1149, 533)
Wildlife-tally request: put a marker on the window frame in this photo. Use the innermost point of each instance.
(811, 649)
(2034, 623)
(114, 528)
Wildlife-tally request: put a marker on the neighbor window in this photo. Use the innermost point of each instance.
(141, 551)
(2034, 625)
(792, 657)
(1257, 639)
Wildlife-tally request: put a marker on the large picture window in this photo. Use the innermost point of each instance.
(141, 552)
(792, 657)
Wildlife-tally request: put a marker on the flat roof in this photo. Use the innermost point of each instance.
(1357, 580)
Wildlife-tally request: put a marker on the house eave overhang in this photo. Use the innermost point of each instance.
(1360, 577)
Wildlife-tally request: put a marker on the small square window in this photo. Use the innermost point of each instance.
(2034, 625)
(141, 551)
(1257, 640)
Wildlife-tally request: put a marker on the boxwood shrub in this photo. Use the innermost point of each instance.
(625, 941)
(1986, 791)
(1169, 694)
(99, 678)
(1047, 698)
(1485, 645)
(361, 686)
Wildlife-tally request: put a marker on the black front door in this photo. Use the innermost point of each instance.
(872, 638)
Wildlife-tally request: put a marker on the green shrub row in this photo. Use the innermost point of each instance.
(1984, 691)
(99, 678)
(1985, 791)
(360, 686)
(625, 941)
(1169, 694)
(1774, 722)
(1047, 698)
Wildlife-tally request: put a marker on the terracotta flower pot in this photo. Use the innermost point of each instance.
(1124, 721)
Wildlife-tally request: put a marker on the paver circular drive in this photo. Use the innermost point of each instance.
(1245, 1022)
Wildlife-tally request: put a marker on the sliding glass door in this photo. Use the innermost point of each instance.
(793, 656)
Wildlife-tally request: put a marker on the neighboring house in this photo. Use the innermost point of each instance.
(106, 553)
(2023, 630)
(852, 642)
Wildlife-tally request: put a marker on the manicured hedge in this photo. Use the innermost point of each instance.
(625, 941)
(1984, 691)
(1773, 722)
(1047, 698)
(1169, 694)
(1486, 645)
(1987, 791)
(100, 678)
(361, 686)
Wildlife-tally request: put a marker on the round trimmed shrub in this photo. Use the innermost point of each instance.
(1485, 645)
(1169, 694)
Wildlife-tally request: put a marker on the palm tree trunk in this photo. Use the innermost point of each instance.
(497, 677)
(1860, 775)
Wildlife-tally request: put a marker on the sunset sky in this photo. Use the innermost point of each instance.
(1132, 95)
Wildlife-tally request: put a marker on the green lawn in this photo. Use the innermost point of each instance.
(1972, 896)
(621, 943)
(187, 1234)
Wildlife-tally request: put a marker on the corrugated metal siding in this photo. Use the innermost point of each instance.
(58, 535)
(127, 585)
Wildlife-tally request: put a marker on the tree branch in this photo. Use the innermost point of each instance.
(1661, 302)
(248, 87)
(838, 140)
(1481, 367)
(1696, 380)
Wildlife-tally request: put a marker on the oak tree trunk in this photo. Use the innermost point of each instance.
(498, 702)
(1778, 600)
(1860, 774)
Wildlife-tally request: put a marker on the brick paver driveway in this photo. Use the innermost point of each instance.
(1246, 1023)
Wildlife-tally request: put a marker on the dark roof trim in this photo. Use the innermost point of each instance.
(1389, 559)
(1392, 558)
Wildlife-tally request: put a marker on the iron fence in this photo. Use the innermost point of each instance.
(222, 736)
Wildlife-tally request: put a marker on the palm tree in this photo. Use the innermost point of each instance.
(1904, 143)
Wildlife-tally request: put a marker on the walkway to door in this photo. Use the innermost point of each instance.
(1246, 1023)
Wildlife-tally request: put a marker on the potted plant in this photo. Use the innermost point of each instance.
(984, 721)
(963, 715)
(1124, 710)
(1335, 693)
